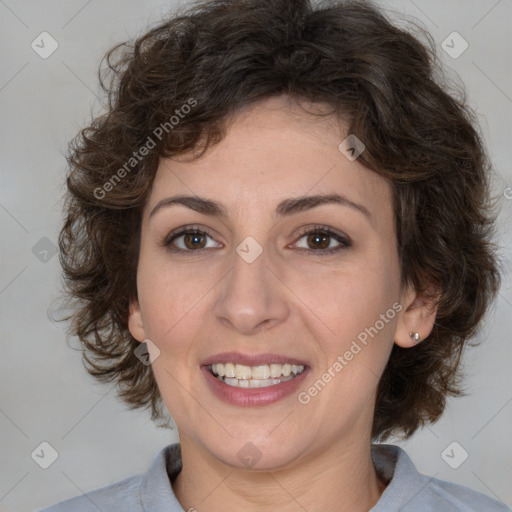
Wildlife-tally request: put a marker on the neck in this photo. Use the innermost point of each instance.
(341, 479)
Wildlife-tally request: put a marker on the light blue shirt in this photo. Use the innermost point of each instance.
(407, 489)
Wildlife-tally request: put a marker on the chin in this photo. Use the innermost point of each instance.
(257, 453)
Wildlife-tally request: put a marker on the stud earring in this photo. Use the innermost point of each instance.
(415, 336)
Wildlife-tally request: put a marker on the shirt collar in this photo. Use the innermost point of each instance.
(156, 490)
(397, 469)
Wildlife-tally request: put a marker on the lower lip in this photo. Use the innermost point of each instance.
(252, 397)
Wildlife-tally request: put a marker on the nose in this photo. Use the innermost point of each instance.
(251, 297)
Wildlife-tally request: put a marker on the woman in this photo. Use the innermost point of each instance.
(280, 230)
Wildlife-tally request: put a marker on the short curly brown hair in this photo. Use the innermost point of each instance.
(222, 55)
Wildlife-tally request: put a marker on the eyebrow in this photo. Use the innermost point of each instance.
(285, 208)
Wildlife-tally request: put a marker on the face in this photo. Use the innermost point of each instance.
(267, 276)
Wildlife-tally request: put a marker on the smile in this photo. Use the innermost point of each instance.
(260, 376)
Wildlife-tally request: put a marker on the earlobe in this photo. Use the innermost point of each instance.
(416, 320)
(135, 323)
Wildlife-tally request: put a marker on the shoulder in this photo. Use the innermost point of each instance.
(460, 497)
(408, 490)
(151, 490)
(123, 495)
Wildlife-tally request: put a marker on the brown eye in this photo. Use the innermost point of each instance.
(194, 240)
(189, 240)
(319, 240)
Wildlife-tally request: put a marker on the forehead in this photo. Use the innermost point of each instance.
(274, 150)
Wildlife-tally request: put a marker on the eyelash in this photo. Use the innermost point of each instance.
(194, 230)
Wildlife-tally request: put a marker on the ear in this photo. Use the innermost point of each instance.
(418, 314)
(135, 323)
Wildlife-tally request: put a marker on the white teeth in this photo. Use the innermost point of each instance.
(260, 372)
(220, 370)
(275, 370)
(242, 371)
(262, 375)
(229, 369)
(259, 383)
(254, 383)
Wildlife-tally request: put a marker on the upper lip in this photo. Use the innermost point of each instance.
(252, 360)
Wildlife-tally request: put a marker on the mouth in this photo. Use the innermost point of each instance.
(259, 376)
(256, 380)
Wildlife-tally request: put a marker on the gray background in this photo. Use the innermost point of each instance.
(46, 394)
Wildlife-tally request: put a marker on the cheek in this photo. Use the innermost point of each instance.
(170, 297)
(356, 313)
(343, 303)
(361, 319)
(168, 293)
